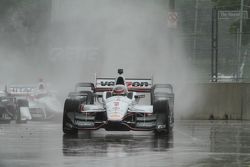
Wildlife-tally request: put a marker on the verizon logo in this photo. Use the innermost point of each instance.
(107, 83)
(129, 84)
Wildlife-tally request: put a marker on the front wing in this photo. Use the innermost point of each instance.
(135, 121)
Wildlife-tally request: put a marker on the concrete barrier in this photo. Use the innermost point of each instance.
(217, 101)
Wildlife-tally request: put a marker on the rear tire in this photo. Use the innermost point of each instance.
(163, 121)
(70, 107)
(3, 120)
(21, 103)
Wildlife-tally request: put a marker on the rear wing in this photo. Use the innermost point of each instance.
(20, 90)
(133, 84)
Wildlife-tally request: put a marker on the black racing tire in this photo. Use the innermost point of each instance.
(162, 112)
(70, 107)
(21, 103)
(2, 119)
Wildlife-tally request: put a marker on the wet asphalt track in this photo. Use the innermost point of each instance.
(193, 143)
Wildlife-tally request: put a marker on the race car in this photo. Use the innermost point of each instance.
(113, 104)
(13, 109)
(43, 104)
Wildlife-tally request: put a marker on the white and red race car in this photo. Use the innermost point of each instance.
(113, 104)
(43, 104)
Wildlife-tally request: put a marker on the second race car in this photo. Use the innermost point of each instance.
(43, 104)
(13, 109)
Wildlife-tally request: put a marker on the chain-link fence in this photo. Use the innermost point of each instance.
(195, 25)
(232, 50)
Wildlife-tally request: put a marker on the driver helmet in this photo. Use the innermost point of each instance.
(119, 90)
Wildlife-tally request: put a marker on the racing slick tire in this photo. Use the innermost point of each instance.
(163, 121)
(21, 103)
(70, 107)
(3, 119)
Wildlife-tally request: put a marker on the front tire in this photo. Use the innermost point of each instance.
(163, 120)
(3, 119)
(70, 107)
